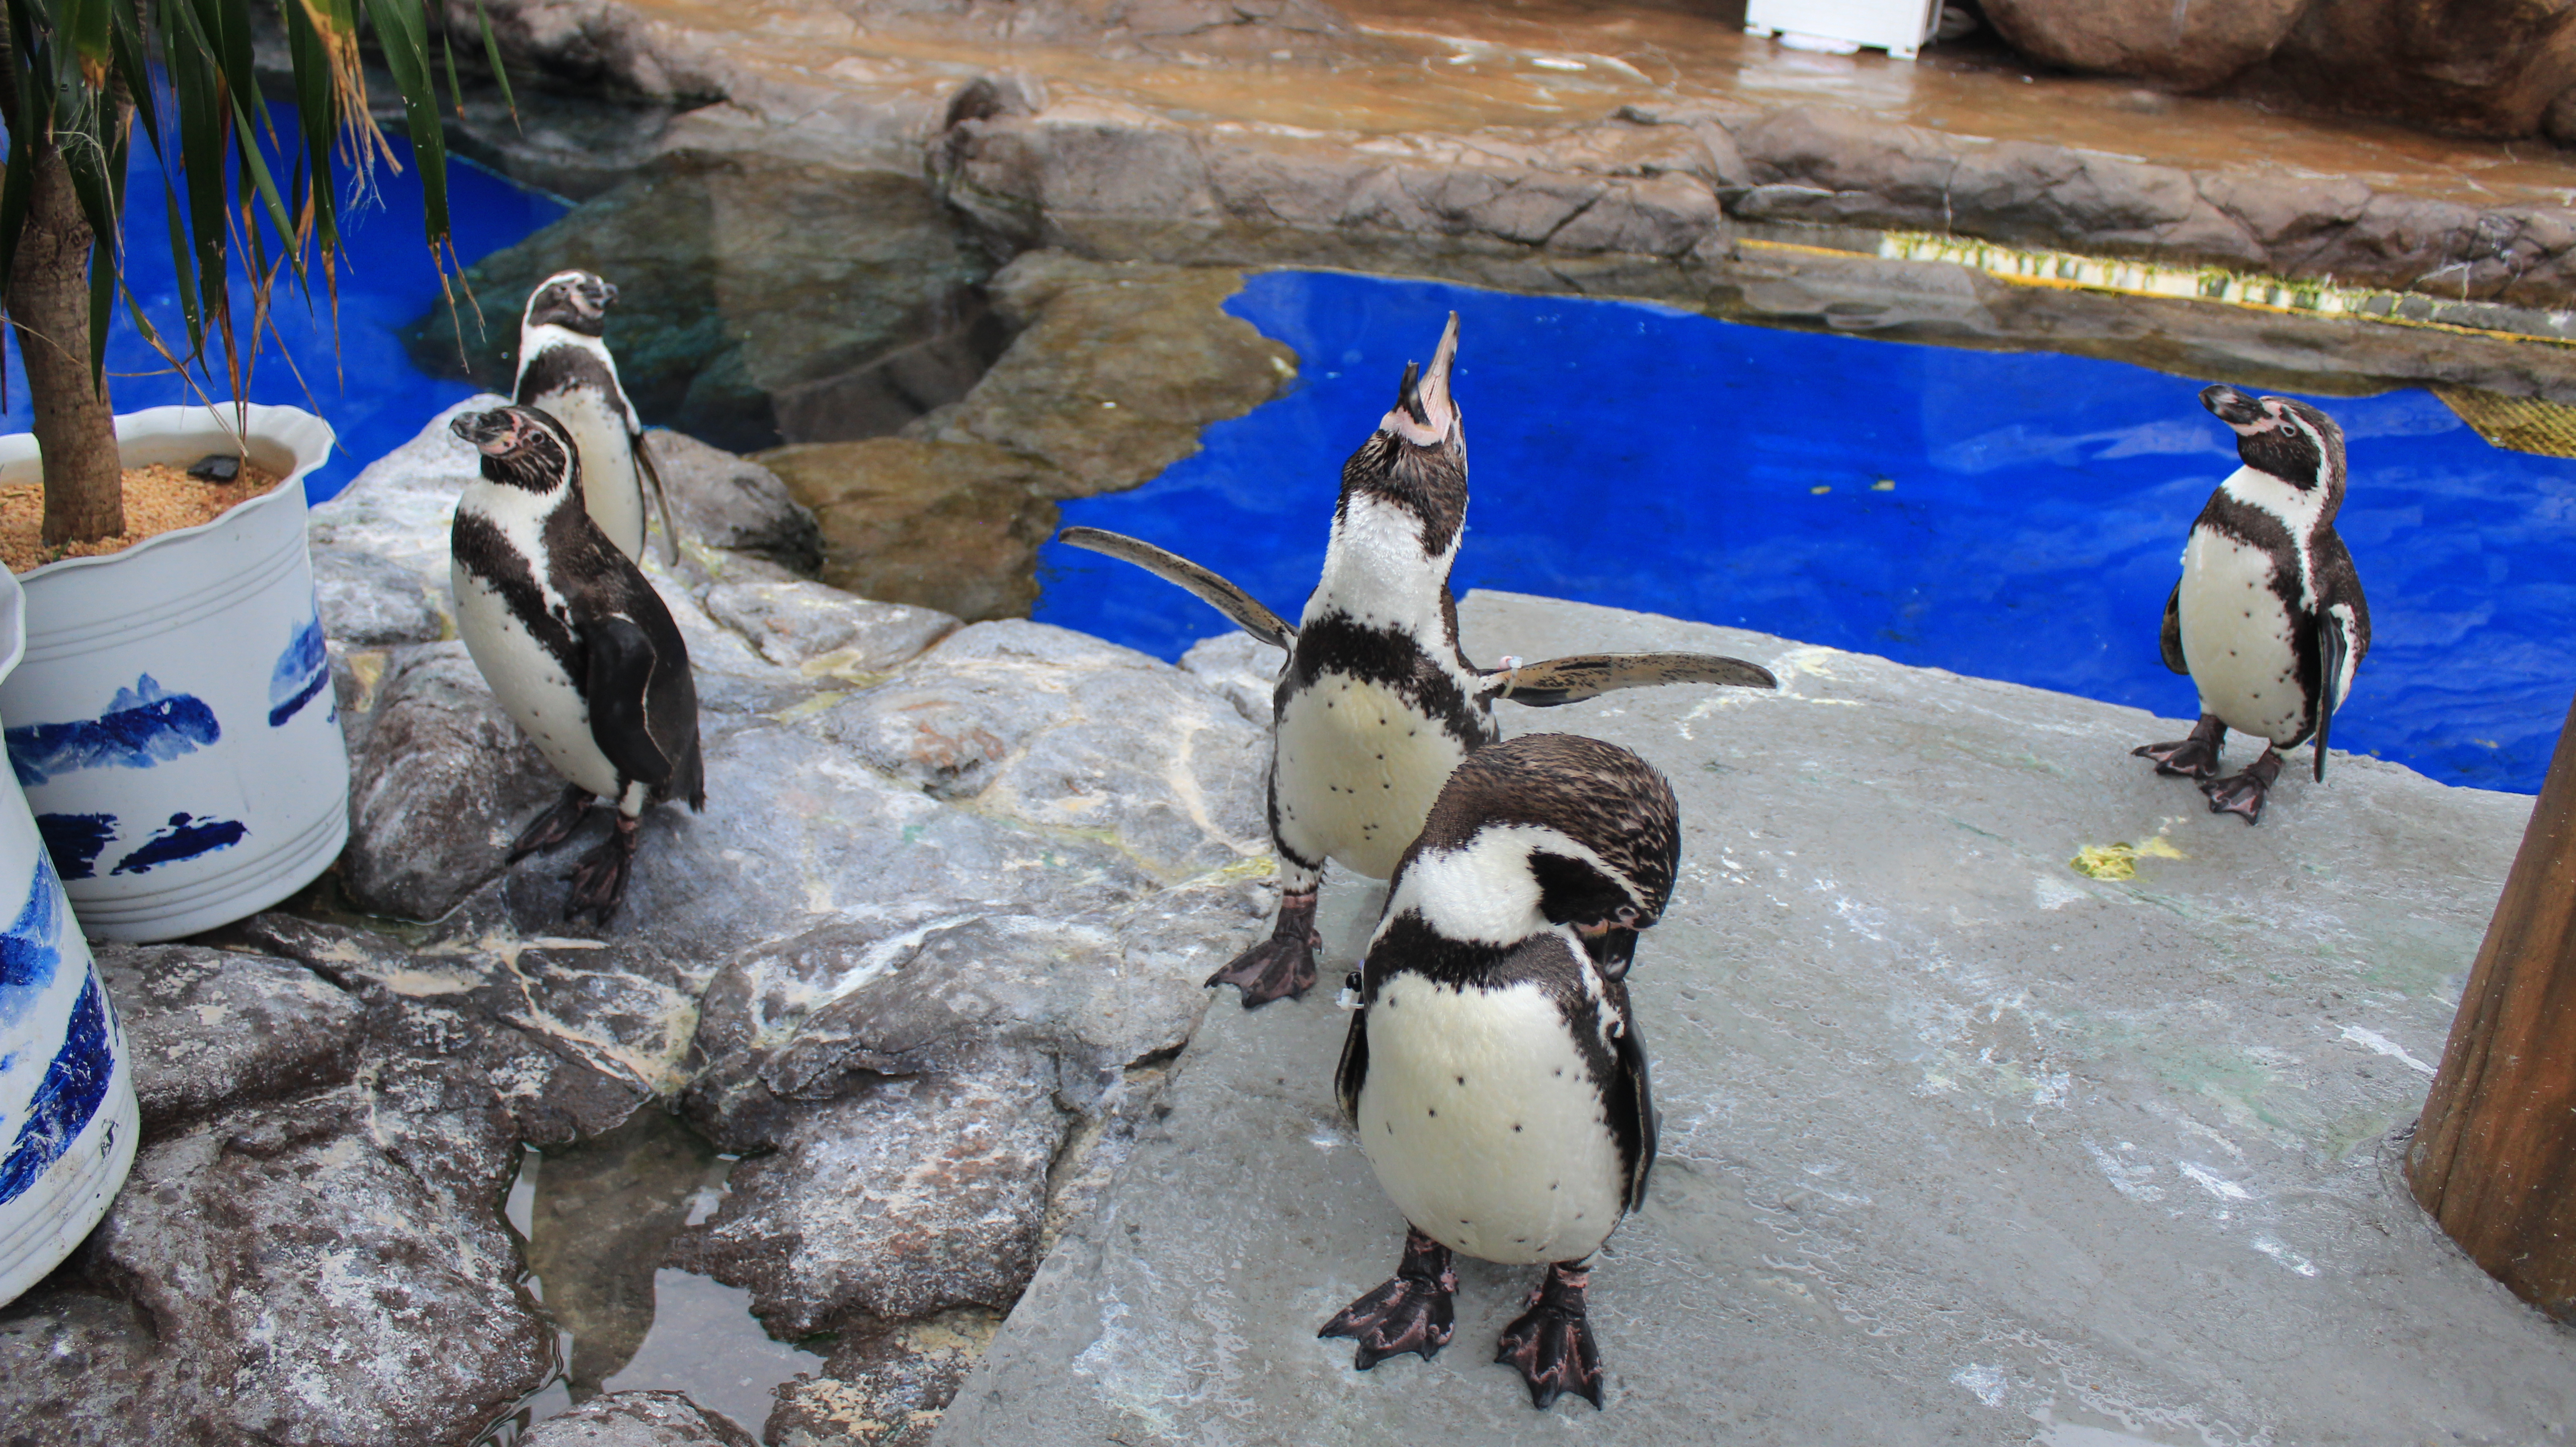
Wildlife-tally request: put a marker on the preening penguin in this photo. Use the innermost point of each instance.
(1376, 703)
(2268, 619)
(565, 371)
(575, 643)
(1494, 1069)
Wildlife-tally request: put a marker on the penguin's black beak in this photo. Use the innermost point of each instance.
(2235, 408)
(604, 295)
(1613, 949)
(493, 433)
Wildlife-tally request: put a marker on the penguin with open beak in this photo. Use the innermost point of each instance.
(1377, 703)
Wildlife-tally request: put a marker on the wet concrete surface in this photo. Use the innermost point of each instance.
(1961, 1143)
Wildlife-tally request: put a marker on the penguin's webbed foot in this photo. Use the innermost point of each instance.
(1282, 965)
(2195, 757)
(555, 825)
(2243, 793)
(1411, 1312)
(1551, 1343)
(599, 879)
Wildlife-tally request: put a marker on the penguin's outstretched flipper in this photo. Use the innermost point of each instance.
(2171, 639)
(1587, 675)
(1246, 610)
(1551, 1343)
(2332, 648)
(1410, 1312)
(652, 474)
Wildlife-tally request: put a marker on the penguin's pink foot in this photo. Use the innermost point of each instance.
(2195, 757)
(599, 879)
(1282, 965)
(1409, 1313)
(555, 825)
(2243, 793)
(1551, 1343)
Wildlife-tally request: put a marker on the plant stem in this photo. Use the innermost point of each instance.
(49, 304)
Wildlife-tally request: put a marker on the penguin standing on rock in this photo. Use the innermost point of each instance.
(1494, 1068)
(565, 371)
(1377, 704)
(2268, 619)
(575, 643)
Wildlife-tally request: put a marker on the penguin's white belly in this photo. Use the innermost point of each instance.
(611, 491)
(1357, 770)
(2236, 635)
(1484, 1125)
(540, 699)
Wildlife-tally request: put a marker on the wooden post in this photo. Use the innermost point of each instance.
(2494, 1157)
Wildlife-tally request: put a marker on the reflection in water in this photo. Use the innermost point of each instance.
(598, 1217)
(602, 1215)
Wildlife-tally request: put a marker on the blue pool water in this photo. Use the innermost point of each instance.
(2017, 516)
(368, 390)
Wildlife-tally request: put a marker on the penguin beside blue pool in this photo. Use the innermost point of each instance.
(1377, 703)
(2268, 619)
(1494, 1068)
(576, 644)
(566, 372)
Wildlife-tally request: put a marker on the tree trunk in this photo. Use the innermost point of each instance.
(49, 305)
(2494, 1157)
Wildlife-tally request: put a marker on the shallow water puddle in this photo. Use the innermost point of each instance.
(598, 1218)
(2018, 516)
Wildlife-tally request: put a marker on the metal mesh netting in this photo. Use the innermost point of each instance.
(2524, 424)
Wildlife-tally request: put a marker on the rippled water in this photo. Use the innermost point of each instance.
(2018, 516)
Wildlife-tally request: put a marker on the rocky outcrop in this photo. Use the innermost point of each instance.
(637, 1419)
(733, 504)
(211, 1029)
(1115, 371)
(761, 299)
(2471, 67)
(2185, 46)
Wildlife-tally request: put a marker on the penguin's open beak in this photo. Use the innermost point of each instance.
(2245, 414)
(1424, 413)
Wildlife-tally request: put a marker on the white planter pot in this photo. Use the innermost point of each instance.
(67, 1115)
(173, 722)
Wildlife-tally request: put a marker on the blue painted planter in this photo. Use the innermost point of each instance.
(68, 1121)
(173, 723)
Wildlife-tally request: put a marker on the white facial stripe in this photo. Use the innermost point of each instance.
(520, 515)
(1484, 890)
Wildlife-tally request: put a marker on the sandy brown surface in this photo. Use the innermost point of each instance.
(158, 499)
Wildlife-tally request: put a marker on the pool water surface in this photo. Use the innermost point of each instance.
(2016, 516)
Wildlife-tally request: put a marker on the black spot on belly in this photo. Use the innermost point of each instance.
(1462, 1080)
(1435, 1113)
(1516, 1128)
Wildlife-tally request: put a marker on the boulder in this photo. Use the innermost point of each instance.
(886, 1384)
(2471, 67)
(820, 630)
(760, 300)
(1117, 368)
(2187, 47)
(637, 1419)
(212, 1029)
(331, 1270)
(444, 785)
(84, 1370)
(952, 526)
(368, 601)
(733, 503)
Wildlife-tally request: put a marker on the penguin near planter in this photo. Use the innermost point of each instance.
(2268, 619)
(565, 371)
(574, 642)
(1493, 1068)
(1377, 703)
